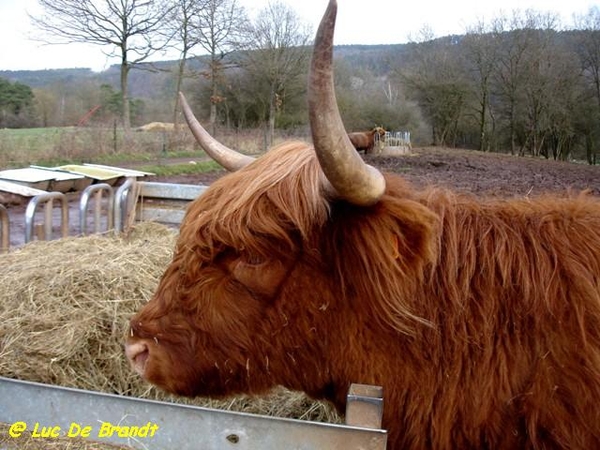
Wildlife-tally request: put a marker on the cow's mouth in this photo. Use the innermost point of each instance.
(138, 354)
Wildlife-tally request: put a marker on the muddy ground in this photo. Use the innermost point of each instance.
(465, 170)
(470, 171)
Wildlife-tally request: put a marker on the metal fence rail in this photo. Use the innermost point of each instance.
(146, 424)
(397, 138)
(106, 210)
(99, 192)
(48, 200)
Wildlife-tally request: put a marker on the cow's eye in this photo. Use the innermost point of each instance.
(260, 275)
(252, 259)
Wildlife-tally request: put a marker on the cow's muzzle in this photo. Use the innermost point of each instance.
(137, 353)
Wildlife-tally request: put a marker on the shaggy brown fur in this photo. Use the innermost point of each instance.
(366, 140)
(480, 318)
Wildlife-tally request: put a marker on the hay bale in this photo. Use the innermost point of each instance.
(390, 150)
(157, 126)
(64, 318)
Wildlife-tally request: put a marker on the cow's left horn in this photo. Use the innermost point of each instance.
(228, 158)
(352, 179)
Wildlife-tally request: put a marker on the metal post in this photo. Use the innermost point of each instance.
(122, 204)
(364, 406)
(4, 230)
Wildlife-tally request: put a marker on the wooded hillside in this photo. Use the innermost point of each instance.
(530, 90)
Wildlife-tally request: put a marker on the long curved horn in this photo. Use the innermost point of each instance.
(228, 158)
(352, 179)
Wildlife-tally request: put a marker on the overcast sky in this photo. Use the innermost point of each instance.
(359, 22)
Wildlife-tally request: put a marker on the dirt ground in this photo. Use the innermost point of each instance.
(469, 171)
(465, 170)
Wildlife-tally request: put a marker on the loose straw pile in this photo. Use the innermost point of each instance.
(64, 310)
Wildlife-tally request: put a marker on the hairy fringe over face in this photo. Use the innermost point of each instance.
(276, 199)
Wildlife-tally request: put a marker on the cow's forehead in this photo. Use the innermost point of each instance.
(278, 194)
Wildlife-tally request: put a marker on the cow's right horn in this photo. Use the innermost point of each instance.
(228, 158)
(350, 177)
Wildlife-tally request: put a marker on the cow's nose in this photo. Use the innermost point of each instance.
(137, 353)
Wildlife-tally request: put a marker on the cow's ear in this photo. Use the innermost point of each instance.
(260, 275)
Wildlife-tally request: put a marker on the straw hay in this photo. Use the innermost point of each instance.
(64, 309)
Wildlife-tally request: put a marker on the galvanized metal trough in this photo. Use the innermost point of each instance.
(102, 174)
(144, 424)
(29, 176)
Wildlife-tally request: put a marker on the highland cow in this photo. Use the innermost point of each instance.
(365, 140)
(307, 268)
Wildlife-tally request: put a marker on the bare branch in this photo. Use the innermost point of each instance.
(133, 27)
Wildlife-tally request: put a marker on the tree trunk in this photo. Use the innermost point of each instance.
(179, 82)
(272, 112)
(125, 94)
(213, 97)
(482, 124)
(513, 130)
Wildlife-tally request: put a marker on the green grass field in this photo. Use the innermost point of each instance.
(105, 145)
(53, 146)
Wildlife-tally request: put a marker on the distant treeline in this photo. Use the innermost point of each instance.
(529, 91)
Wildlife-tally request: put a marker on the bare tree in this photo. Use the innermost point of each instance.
(277, 55)
(522, 78)
(437, 79)
(514, 37)
(181, 23)
(131, 27)
(588, 50)
(481, 47)
(218, 28)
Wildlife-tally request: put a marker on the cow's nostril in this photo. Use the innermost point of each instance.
(137, 354)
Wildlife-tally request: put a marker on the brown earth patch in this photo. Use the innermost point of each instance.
(468, 171)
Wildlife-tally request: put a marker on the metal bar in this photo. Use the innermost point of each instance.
(364, 405)
(4, 230)
(48, 198)
(98, 191)
(160, 425)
